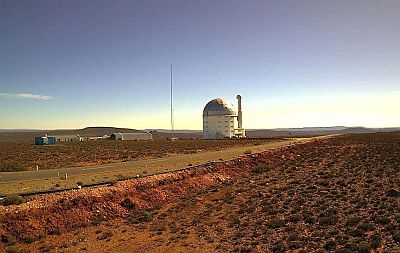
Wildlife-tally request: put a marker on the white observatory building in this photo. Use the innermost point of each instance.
(219, 119)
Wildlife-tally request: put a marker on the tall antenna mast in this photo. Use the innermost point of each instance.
(172, 108)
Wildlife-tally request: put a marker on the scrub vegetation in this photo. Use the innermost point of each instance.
(333, 195)
(25, 156)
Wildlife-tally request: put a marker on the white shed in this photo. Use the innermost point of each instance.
(131, 136)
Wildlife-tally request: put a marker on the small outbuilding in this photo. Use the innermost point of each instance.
(45, 140)
(131, 136)
(68, 138)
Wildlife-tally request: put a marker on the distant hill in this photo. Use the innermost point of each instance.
(307, 131)
(180, 134)
(178, 131)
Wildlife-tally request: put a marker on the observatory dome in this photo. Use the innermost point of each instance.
(218, 106)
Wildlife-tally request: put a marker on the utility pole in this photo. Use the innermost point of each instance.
(172, 109)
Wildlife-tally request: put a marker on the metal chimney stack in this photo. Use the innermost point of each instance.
(239, 117)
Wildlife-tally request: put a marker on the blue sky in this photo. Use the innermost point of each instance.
(296, 63)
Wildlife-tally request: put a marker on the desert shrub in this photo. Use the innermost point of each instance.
(233, 220)
(46, 248)
(396, 237)
(275, 223)
(260, 169)
(13, 249)
(229, 198)
(344, 250)
(12, 200)
(375, 241)
(308, 217)
(42, 236)
(269, 210)
(159, 228)
(248, 152)
(363, 247)
(391, 227)
(29, 239)
(63, 245)
(329, 220)
(56, 231)
(295, 218)
(383, 220)
(140, 217)
(355, 232)
(294, 245)
(330, 245)
(9, 239)
(352, 220)
(96, 220)
(293, 236)
(278, 247)
(239, 234)
(11, 166)
(366, 226)
(128, 204)
(105, 235)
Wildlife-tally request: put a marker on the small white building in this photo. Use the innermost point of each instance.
(131, 136)
(68, 138)
(219, 120)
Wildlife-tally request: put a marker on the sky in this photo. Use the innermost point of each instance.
(73, 64)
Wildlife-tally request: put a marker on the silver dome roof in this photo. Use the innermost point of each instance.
(218, 106)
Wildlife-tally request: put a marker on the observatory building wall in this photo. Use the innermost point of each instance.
(221, 126)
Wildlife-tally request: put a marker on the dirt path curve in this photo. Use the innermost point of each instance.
(29, 181)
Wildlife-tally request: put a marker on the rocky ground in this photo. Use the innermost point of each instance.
(334, 195)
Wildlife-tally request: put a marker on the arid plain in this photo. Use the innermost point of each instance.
(338, 194)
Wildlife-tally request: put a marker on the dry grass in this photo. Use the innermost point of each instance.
(25, 156)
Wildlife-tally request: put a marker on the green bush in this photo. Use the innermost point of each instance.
(11, 166)
(260, 169)
(12, 200)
